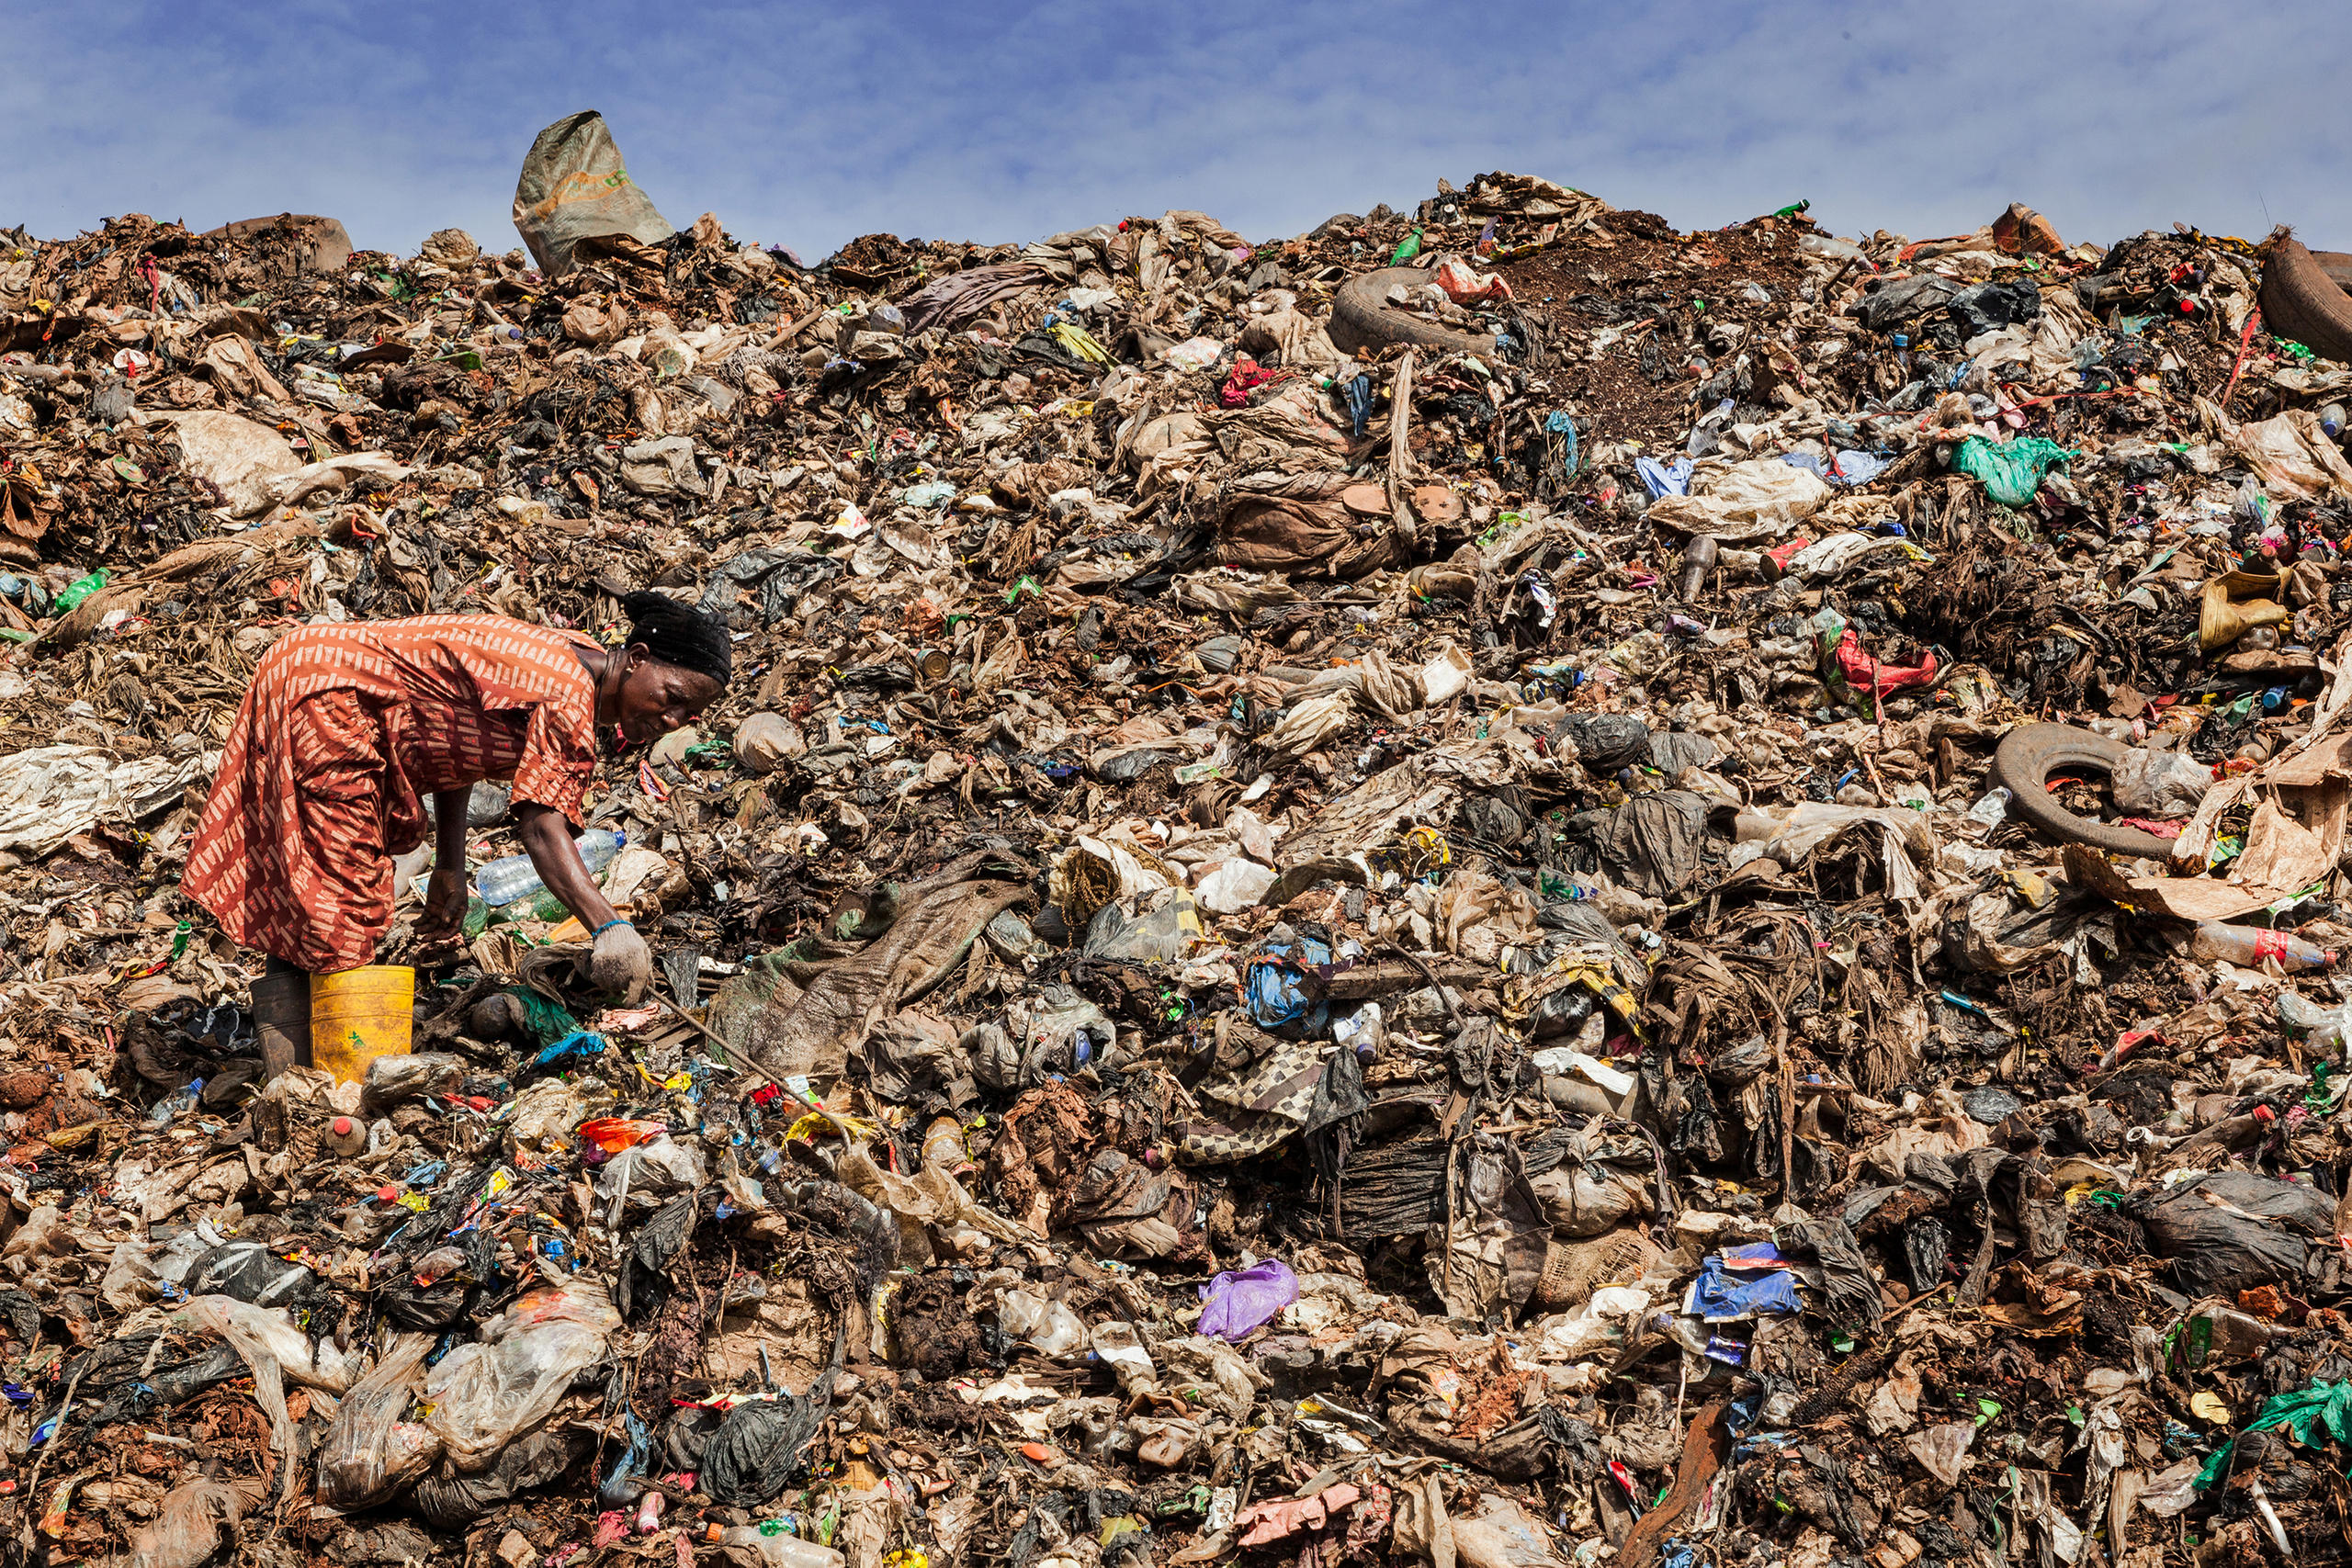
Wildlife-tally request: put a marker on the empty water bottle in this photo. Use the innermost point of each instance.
(2251, 944)
(171, 1105)
(2323, 1028)
(776, 1545)
(1990, 811)
(503, 881)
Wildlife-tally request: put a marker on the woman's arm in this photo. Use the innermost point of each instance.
(445, 891)
(547, 837)
(449, 827)
(621, 963)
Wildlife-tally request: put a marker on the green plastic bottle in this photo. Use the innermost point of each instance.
(1408, 251)
(81, 588)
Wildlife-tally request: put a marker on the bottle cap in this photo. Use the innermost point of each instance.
(341, 1126)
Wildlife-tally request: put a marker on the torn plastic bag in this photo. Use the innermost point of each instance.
(1165, 927)
(1310, 724)
(1208, 1372)
(1047, 1327)
(369, 1452)
(1238, 1302)
(1493, 1251)
(1275, 983)
(2010, 471)
(643, 1287)
(1988, 307)
(1653, 842)
(1900, 300)
(1279, 1517)
(393, 1080)
(651, 1173)
(248, 1271)
(1845, 1285)
(1671, 752)
(197, 1519)
(687, 1436)
(2233, 1231)
(795, 1015)
(2159, 783)
(1583, 1199)
(270, 1331)
(574, 187)
(485, 1395)
(271, 1346)
(1759, 498)
(1940, 1450)
(447, 1298)
(1059, 1031)
(1870, 676)
(1232, 885)
(50, 793)
(1663, 479)
(1603, 742)
(752, 1456)
(1501, 1534)
(454, 1501)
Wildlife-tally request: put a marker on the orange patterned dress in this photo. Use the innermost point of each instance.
(344, 730)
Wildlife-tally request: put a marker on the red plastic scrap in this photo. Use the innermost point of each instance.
(1247, 378)
(1865, 673)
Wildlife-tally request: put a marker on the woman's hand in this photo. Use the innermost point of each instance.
(445, 905)
(622, 962)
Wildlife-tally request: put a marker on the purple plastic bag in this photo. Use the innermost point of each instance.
(1244, 1301)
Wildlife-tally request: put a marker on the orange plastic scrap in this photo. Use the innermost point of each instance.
(614, 1133)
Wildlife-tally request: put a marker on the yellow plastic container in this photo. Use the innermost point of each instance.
(359, 1015)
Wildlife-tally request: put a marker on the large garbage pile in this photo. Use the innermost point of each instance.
(1492, 886)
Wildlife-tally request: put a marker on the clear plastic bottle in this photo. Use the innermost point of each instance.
(942, 1145)
(171, 1105)
(2250, 945)
(2323, 1028)
(502, 882)
(1991, 811)
(772, 1542)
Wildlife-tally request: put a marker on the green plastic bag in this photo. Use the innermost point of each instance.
(2010, 471)
(2322, 1407)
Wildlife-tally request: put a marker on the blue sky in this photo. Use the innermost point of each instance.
(806, 124)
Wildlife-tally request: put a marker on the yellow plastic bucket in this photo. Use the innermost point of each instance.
(359, 1015)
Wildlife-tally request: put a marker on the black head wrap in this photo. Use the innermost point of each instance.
(681, 635)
